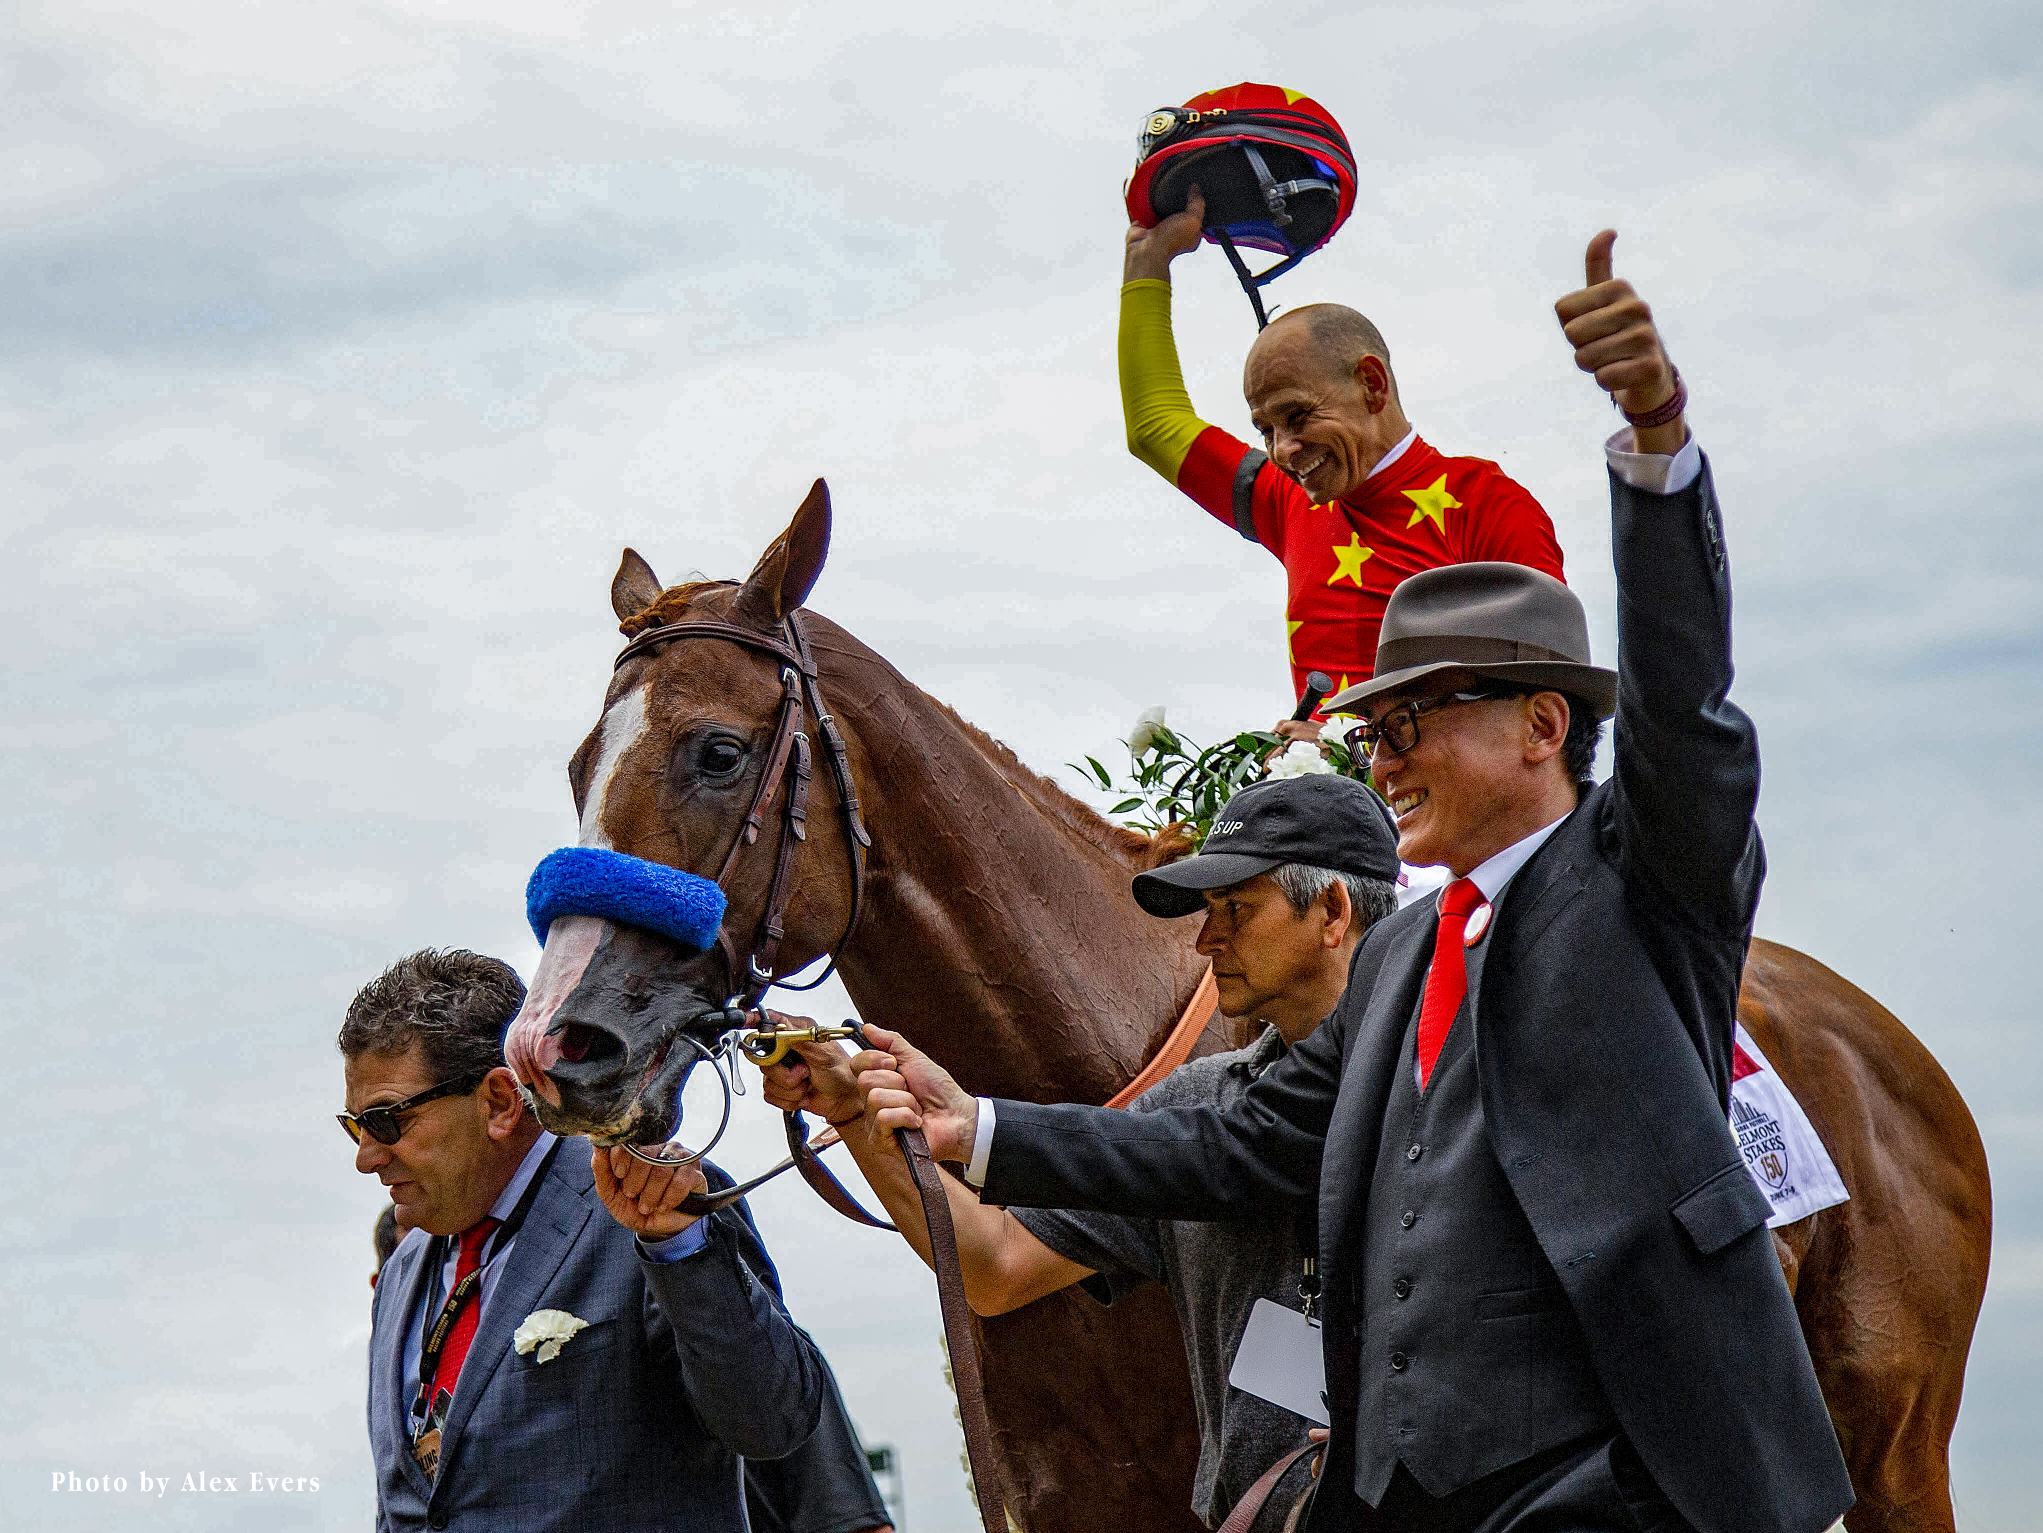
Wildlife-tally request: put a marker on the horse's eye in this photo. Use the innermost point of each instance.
(721, 758)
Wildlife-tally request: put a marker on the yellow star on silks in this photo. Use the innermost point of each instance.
(1291, 632)
(1348, 561)
(1434, 503)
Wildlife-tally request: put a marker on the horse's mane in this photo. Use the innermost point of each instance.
(1132, 847)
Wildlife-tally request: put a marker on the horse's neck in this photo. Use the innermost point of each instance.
(998, 930)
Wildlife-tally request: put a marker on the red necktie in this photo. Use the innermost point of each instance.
(456, 1347)
(1447, 979)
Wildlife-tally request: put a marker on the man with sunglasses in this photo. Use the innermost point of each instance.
(535, 1361)
(1551, 1297)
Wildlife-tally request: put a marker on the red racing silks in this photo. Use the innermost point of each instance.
(1342, 560)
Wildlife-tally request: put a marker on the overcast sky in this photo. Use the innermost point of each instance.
(342, 347)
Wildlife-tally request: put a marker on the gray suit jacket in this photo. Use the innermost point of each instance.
(1602, 1023)
(638, 1424)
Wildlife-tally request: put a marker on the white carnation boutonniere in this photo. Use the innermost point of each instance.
(548, 1330)
(1300, 759)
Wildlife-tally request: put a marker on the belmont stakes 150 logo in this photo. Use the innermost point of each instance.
(1782, 1151)
(1761, 1142)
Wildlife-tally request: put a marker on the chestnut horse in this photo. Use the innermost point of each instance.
(996, 927)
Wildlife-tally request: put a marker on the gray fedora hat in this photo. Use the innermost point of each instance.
(1505, 621)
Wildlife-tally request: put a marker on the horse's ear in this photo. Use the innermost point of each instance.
(634, 587)
(787, 571)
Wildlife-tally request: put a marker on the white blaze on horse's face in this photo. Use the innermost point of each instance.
(571, 942)
(622, 728)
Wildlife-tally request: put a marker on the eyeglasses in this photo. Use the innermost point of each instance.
(382, 1122)
(1398, 730)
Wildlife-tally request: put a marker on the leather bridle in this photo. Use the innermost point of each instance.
(787, 762)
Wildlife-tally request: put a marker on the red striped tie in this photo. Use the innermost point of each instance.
(456, 1347)
(1447, 979)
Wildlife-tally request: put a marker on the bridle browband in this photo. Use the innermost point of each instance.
(787, 758)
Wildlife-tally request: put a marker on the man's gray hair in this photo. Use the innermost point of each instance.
(1373, 898)
(454, 1005)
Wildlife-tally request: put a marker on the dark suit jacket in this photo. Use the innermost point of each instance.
(639, 1423)
(1602, 1025)
(824, 1486)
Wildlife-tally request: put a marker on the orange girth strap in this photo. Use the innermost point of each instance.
(1177, 1048)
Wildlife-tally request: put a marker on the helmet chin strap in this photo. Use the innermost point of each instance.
(1276, 195)
(1250, 283)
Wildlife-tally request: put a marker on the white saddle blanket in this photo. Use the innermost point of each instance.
(1778, 1142)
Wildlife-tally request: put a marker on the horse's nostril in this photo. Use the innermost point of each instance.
(578, 1041)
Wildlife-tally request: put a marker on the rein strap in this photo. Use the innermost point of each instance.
(801, 1157)
(959, 1341)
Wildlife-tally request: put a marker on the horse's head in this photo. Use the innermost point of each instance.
(668, 774)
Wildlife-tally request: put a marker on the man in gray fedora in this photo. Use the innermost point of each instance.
(1550, 1297)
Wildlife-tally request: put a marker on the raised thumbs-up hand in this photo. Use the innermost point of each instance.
(1612, 332)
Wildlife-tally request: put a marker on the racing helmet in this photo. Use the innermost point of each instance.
(1273, 165)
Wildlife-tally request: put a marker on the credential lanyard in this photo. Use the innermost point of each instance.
(466, 1291)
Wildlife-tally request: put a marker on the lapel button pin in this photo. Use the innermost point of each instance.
(1478, 923)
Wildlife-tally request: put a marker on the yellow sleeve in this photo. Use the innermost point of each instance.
(1161, 425)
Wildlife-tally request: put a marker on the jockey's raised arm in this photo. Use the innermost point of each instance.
(1343, 491)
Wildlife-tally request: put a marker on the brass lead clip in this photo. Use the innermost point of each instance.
(766, 1046)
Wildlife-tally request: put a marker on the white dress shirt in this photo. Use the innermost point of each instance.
(1657, 474)
(492, 1268)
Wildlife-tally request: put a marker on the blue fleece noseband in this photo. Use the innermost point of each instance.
(588, 881)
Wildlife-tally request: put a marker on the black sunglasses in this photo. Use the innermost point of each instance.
(381, 1122)
(1398, 730)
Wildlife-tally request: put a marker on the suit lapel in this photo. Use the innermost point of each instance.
(559, 1213)
(413, 1286)
(1542, 889)
(1366, 1075)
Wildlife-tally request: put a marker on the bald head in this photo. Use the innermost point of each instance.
(1320, 392)
(1335, 335)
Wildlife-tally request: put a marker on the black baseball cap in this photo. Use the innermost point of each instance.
(1321, 820)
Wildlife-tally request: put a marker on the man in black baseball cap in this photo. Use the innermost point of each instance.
(1292, 875)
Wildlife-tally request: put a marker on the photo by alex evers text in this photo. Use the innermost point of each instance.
(192, 1482)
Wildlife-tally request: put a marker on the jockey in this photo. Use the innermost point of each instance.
(1343, 490)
